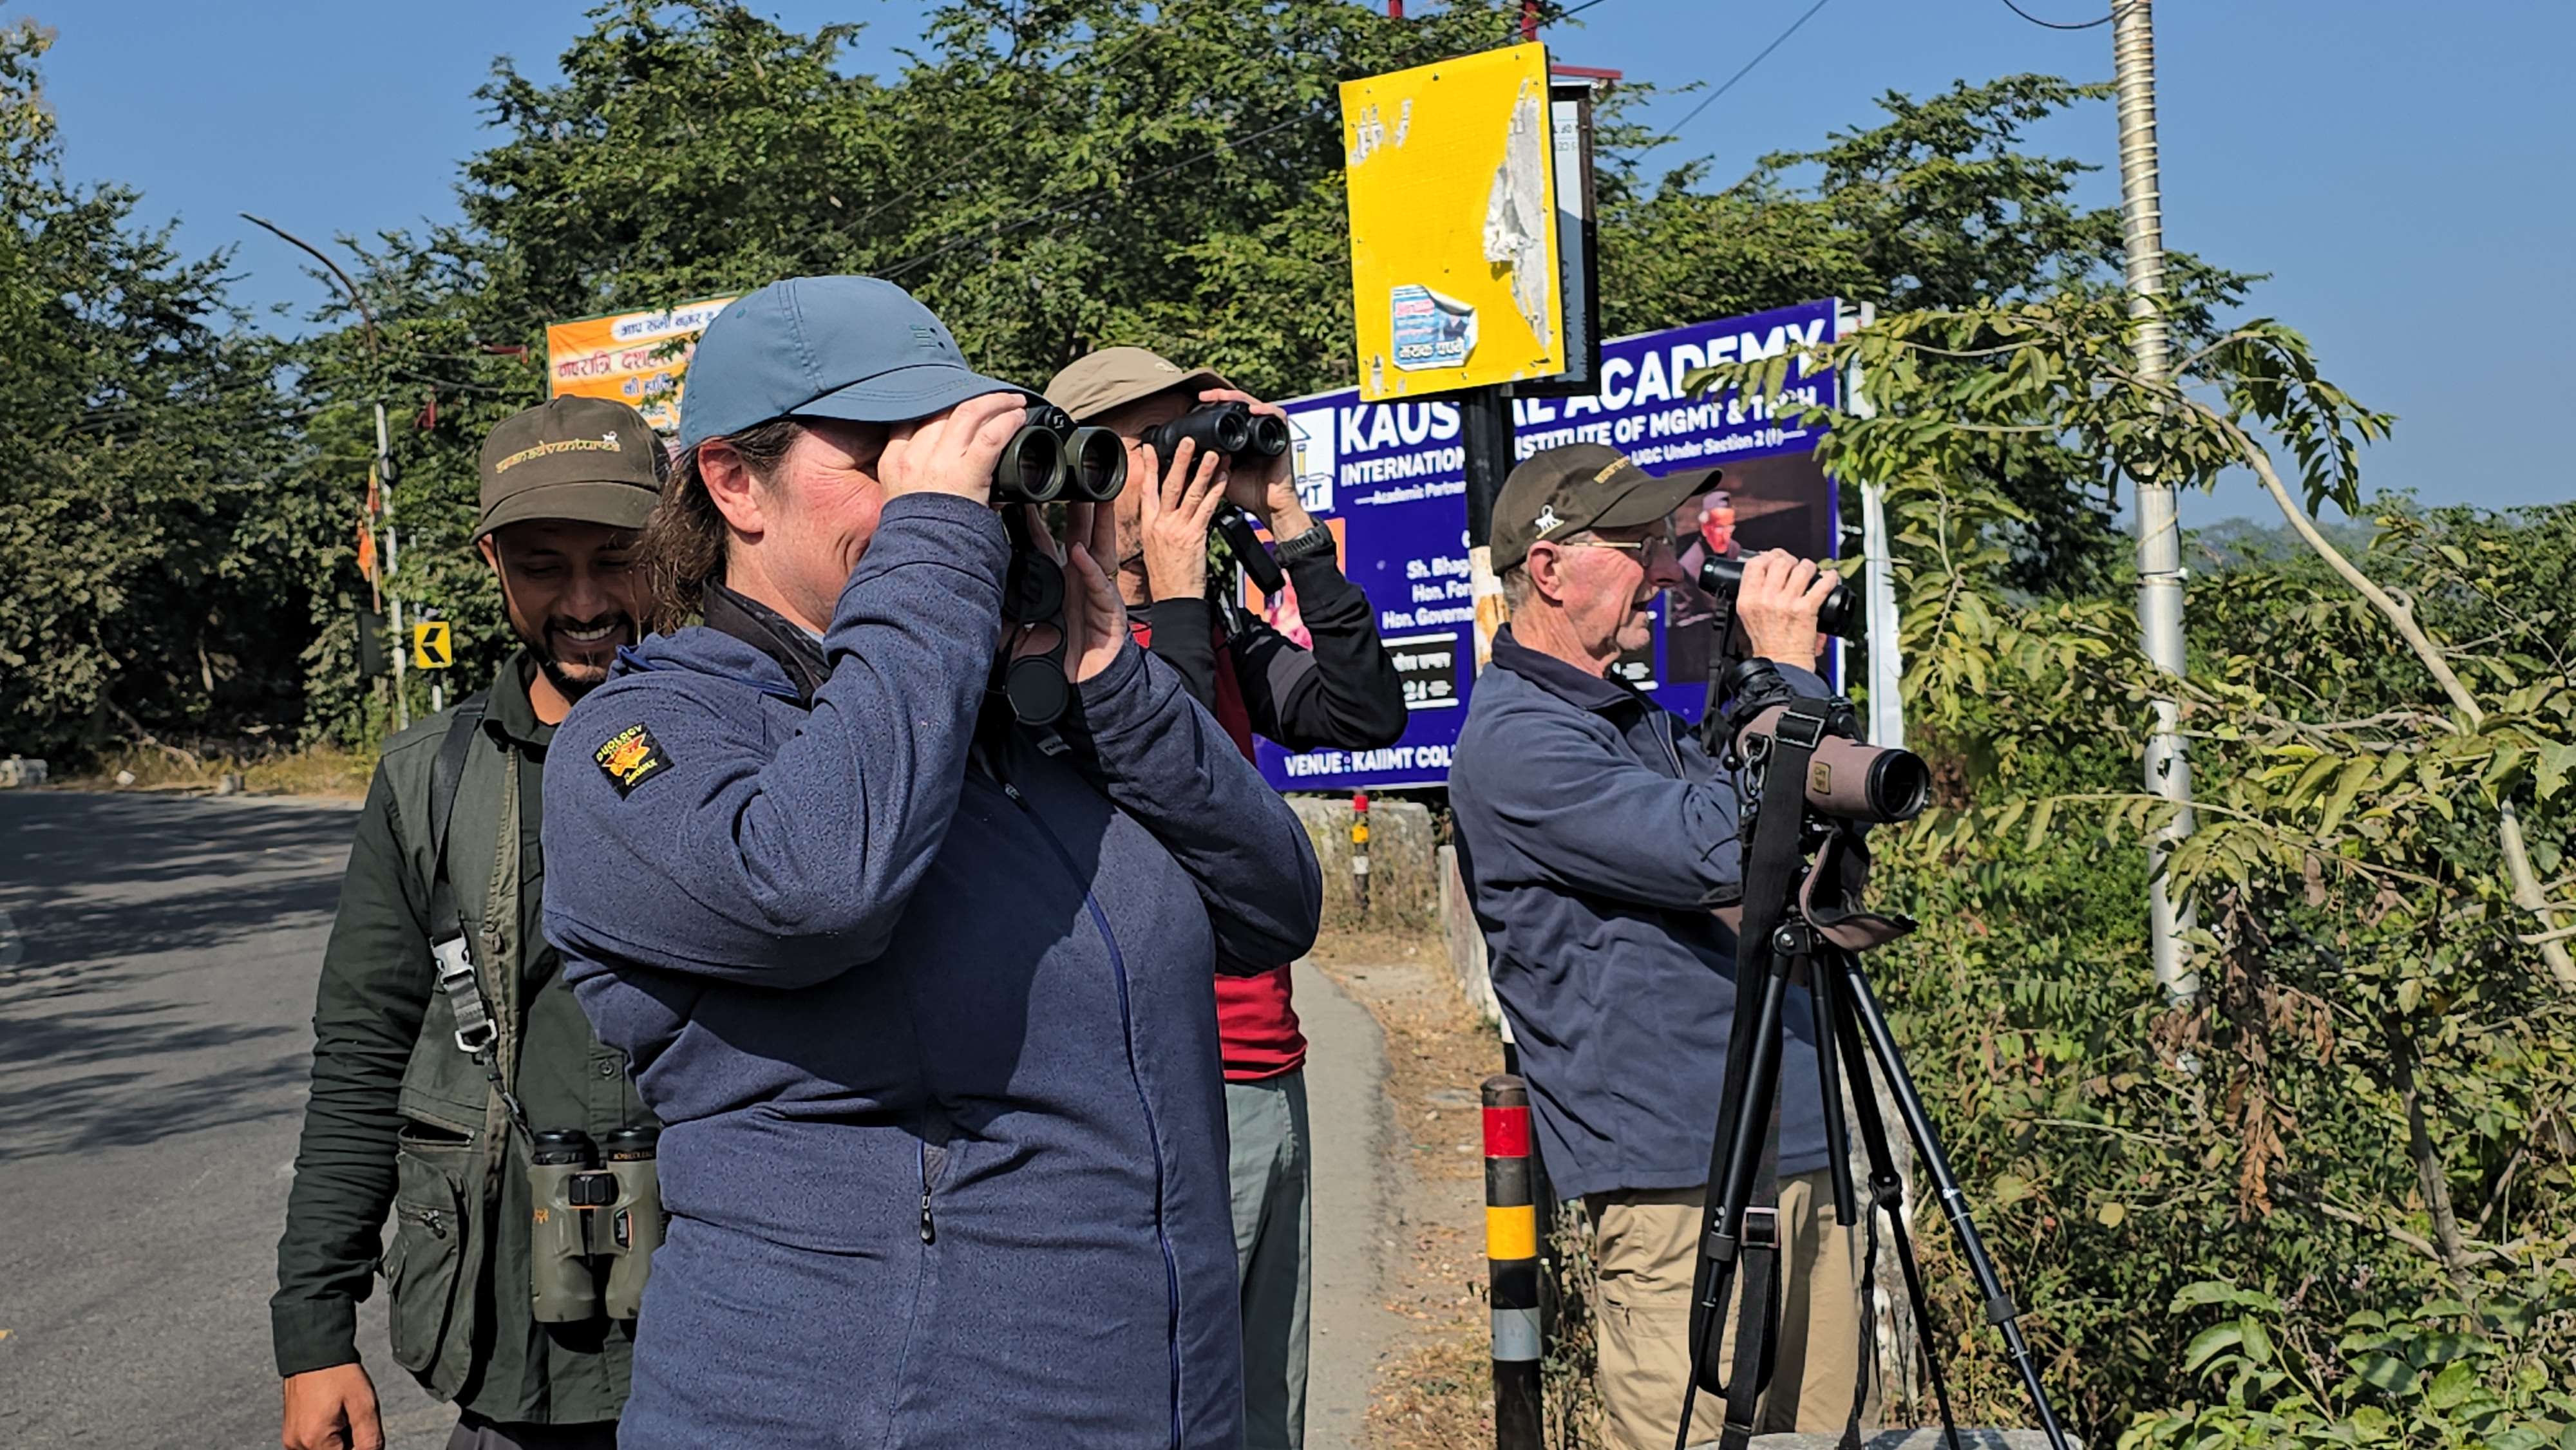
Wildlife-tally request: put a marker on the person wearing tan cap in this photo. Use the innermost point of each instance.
(417, 1107)
(1598, 840)
(1338, 690)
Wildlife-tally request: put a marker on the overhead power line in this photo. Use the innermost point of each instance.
(1750, 64)
(2058, 25)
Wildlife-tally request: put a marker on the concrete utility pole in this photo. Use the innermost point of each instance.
(2160, 574)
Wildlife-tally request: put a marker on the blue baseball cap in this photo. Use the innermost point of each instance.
(854, 348)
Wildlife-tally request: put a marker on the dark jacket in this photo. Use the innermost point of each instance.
(1345, 692)
(400, 1118)
(1595, 836)
(929, 1015)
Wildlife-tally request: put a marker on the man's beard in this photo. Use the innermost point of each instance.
(578, 677)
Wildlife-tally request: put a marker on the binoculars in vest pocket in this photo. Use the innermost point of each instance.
(593, 1208)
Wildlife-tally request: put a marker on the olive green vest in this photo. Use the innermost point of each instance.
(457, 1140)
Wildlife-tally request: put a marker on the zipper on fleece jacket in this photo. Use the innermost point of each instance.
(1153, 1129)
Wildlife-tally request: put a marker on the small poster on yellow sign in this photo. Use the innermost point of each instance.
(636, 358)
(1451, 171)
(431, 646)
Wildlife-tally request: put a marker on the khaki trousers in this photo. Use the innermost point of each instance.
(1646, 1248)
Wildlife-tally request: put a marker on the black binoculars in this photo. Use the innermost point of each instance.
(1051, 459)
(1840, 615)
(583, 1213)
(1235, 431)
(1229, 428)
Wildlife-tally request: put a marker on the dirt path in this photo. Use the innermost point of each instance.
(1431, 1385)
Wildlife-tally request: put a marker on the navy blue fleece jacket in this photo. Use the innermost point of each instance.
(1595, 835)
(930, 1022)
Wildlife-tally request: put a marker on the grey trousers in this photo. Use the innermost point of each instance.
(1273, 1252)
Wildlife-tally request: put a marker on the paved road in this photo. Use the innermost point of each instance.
(157, 957)
(154, 1043)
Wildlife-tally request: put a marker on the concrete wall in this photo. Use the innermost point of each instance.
(1466, 941)
(1404, 888)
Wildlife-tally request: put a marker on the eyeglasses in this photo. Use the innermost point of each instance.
(1642, 550)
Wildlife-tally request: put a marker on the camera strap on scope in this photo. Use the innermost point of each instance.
(1740, 1229)
(478, 1031)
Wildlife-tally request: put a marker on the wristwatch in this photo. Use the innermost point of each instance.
(1315, 542)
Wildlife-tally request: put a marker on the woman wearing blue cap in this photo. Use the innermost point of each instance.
(925, 1001)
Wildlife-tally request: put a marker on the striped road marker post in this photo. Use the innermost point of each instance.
(1359, 848)
(1511, 1263)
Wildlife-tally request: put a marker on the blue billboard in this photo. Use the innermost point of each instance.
(1390, 480)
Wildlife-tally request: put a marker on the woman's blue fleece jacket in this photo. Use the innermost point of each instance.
(931, 1024)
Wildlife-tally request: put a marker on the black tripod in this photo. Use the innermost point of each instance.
(1802, 924)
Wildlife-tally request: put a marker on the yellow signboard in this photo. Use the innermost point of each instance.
(636, 358)
(1453, 224)
(431, 647)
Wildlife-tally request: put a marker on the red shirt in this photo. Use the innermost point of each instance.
(1256, 1024)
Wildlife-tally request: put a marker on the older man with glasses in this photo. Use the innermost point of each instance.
(1600, 841)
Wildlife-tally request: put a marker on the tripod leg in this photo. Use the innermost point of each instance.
(1887, 1192)
(1736, 1165)
(1824, 1011)
(1954, 1202)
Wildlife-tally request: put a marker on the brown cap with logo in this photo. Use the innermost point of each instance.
(1560, 492)
(1113, 377)
(589, 460)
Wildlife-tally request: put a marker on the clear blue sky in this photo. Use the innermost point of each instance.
(2398, 168)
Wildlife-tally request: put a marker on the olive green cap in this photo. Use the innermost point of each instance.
(1113, 377)
(1557, 493)
(588, 460)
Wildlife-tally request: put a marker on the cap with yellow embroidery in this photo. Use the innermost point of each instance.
(588, 460)
(1560, 492)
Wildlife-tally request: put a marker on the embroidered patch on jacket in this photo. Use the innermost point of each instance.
(631, 757)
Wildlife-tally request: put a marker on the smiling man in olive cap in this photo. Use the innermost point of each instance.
(438, 926)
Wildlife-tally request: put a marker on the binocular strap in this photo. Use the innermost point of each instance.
(478, 1031)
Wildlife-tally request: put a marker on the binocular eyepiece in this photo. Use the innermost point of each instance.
(1232, 429)
(1847, 778)
(1840, 615)
(1051, 459)
(583, 1211)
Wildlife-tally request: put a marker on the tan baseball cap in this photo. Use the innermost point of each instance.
(1557, 493)
(590, 460)
(1113, 377)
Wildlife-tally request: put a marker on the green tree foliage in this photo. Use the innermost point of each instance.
(1937, 206)
(146, 564)
(1052, 178)
(2368, 1106)
(1049, 178)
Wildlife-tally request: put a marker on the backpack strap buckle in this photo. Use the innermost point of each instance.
(475, 1030)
